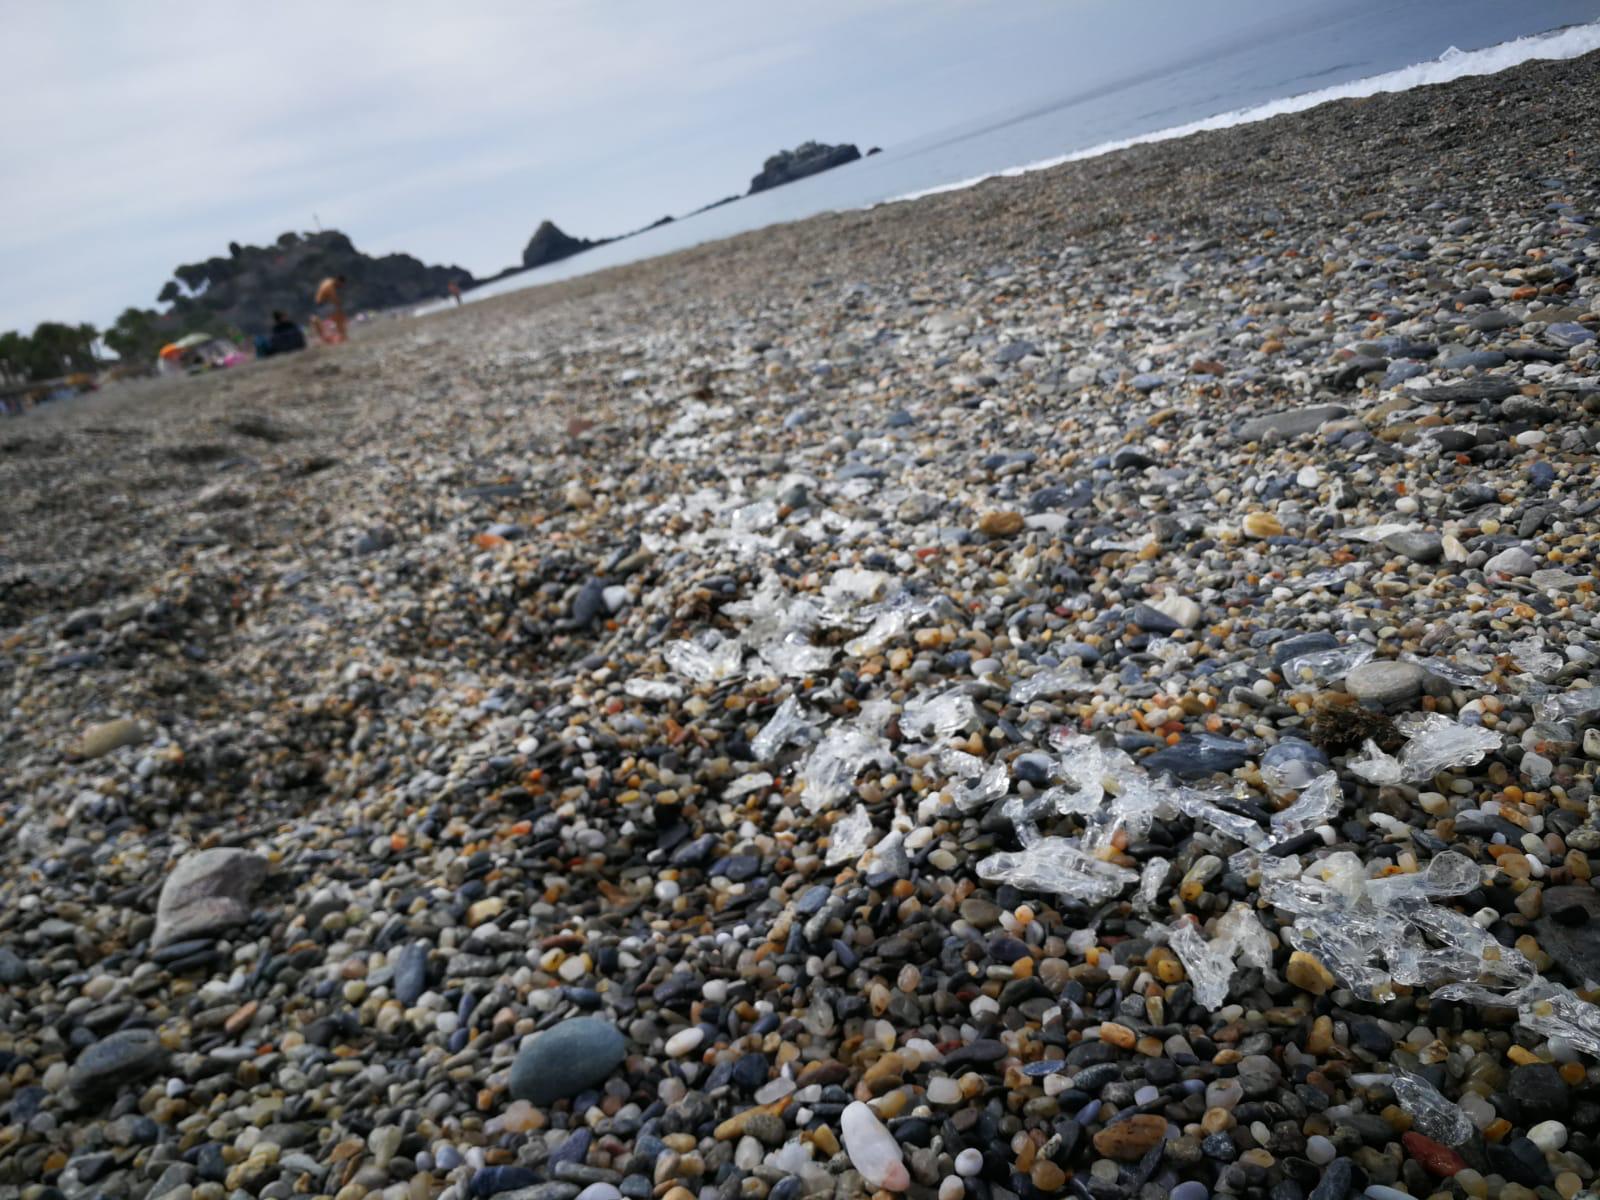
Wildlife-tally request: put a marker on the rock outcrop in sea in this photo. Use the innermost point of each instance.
(808, 158)
(549, 244)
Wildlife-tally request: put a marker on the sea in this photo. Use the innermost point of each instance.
(1358, 49)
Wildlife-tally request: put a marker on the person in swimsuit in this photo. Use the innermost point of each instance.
(330, 292)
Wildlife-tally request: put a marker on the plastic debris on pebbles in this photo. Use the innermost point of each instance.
(1087, 686)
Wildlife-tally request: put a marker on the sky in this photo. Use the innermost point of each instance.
(141, 136)
(145, 135)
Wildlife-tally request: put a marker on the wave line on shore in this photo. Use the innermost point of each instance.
(1569, 41)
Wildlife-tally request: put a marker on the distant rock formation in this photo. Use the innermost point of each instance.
(548, 244)
(242, 290)
(809, 158)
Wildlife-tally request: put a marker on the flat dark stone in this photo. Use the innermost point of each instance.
(1468, 391)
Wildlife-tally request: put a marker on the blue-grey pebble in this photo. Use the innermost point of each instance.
(561, 1062)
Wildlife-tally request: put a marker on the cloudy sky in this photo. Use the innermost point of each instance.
(142, 135)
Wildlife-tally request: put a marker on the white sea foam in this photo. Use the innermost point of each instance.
(1569, 42)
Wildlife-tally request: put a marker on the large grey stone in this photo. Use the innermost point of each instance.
(125, 1057)
(1385, 682)
(1292, 423)
(1415, 544)
(561, 1062)
(1513, 560)
(207, 891)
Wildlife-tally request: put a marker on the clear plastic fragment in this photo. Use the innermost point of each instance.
(1198, 807)
(890, 854)
(708, 658)
(1209, 965)
(1332, 578)
(1051, 682)
(888, 621)
(1288, 773)
(1544, 1007)
(1056, 866)
(1580, 704)
(779, 626)
(1432, 1115)
(1241, 932)
(830, 770)
(1438, 744)
(791, 655)
(1376, 533)
(984, 789)
(937, 717)
(787, 724)
(1373, 765)
(850, 587)
(875, 716)
(1530, 655)
(1326, 666)
(762, 514)
(1153, 875)
(1451, 672)
(958, 764)
(849, 837)
(1320, 801)
(1470, 951)
(1447, 874)
(1174, 655)
(1356, 926)
(1552, 1010)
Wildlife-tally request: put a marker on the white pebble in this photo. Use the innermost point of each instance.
(1320, 1150)
(684, 1041)
(1548, 1135)
(969, 1162)
(951, 1188)
(943, 1090)
(774, 1090)
(872, 1149)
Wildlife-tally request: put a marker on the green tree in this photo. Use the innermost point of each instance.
(14, 357)
(137, 335)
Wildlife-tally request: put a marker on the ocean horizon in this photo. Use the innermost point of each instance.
(1297, 65)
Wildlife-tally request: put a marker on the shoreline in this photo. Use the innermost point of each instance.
(729, 650)
(1558, 44)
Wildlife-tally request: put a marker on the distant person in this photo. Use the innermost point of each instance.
(285, 337)
(330, 292)
(454, 289)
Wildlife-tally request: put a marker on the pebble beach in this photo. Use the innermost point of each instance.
(1083, 686)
